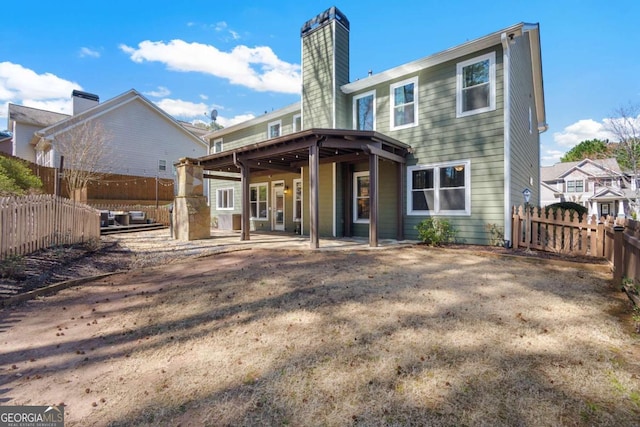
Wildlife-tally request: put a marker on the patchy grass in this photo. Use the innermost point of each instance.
(407, 336)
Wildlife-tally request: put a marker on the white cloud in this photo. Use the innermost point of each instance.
(183, 109)
(18, 83)
(160, 93)
(550, 157)
(203, 97)
(257, 68)
(579, 131)
(234, 35)
(226, 122)
(85, 51)
(221, 26)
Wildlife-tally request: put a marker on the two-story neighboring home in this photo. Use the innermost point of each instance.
(598, 185)
(453, 135)
(143, 139)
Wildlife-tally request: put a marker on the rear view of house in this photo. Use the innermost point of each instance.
(453, 135)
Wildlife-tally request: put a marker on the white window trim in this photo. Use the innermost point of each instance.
(213, 147)
(491, 56)
(230, 199)
(436, 185)
(259, 184)
(357, 220)
(270, 125)
(297, 216)
(295, 117)
(355, 107)
(413, 80)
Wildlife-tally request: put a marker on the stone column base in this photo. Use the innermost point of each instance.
(191, 218)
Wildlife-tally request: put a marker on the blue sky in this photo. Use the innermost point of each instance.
(243, 58)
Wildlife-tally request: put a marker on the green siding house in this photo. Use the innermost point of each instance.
(452, 135)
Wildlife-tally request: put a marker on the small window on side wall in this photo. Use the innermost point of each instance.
(274, 129)
(476, 85)
(297, 123)
(224, 198)
(364, 111)
(217, 146)
(162, 165)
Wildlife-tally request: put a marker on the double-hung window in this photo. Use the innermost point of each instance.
(404, 104)
(274, 129)
(224, 198)
(442, 189)
(162, 165)
(476, 85)
(297, 123)
(361, 197)
(217, 146)
(575, 186)
(364, 111)
(258, 201)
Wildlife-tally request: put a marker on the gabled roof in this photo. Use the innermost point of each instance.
(470, 47)
(107, 106)
(34, 116)
(559, 170)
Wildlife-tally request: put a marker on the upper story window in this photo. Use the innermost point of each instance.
(274, 129)
(162, 165)
(404, 104)
(364, 111)
(297, 123)
(217, 145)
(575, 186)
(443, 189)
(476, 85)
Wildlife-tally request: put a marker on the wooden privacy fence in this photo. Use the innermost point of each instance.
(616, 239)
(160, 214)
(29, 223)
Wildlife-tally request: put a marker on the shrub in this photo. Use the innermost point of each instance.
(496, 234)
(562, 207)
(16, 178)
(435, 232)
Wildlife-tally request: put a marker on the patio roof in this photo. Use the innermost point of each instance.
(290, 152)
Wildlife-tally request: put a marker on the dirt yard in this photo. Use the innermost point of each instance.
(397, 336)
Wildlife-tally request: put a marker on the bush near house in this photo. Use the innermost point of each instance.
(562, 207)
(16, 179)
(435, 232)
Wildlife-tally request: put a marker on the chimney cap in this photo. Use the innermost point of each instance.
(329, 14)
(85, 95)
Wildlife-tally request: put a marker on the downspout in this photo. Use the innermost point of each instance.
(335, 75)
(506, 65)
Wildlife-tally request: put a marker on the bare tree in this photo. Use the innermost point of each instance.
(624, 126)
(87, 155)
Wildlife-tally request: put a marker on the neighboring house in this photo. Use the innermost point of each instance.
(598, 185)
(454, 135)
(5, 142)
(145, 141)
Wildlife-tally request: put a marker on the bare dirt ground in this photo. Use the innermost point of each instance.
(398, 336)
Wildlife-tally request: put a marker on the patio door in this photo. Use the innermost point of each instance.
(278, 206)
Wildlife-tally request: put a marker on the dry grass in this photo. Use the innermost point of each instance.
(411, 336)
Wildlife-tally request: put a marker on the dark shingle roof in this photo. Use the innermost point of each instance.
(34, 116)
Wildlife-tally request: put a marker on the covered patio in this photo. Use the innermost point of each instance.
(310, 148)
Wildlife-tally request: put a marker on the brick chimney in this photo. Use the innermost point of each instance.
(82, 101)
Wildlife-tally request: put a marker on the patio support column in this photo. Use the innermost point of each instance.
(401, 201)
(373, 200)
(246, 198)
(314, 166)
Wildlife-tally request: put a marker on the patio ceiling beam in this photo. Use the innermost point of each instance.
(266, 164)
(378, 151)
(278, 150)
(222, 177)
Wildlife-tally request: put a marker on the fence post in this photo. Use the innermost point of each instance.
(618, 261)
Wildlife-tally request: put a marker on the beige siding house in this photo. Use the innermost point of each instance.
(453, 135)
(143, 139)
